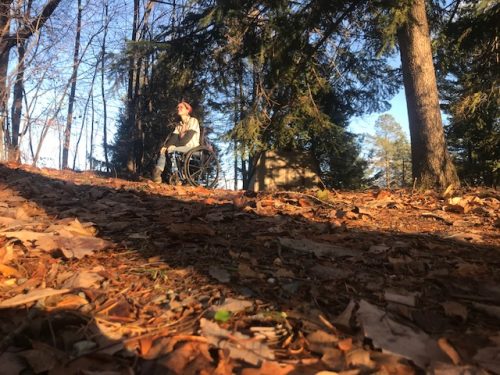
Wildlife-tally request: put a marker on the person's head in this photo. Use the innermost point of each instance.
(184, 108)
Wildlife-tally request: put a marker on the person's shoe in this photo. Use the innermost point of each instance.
(157, 175)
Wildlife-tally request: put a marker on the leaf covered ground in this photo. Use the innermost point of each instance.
(107, 276)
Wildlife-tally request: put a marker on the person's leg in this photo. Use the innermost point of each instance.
(181, 149)
(160, 167)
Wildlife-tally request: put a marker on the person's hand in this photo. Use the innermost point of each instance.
(171, 148)
(163, 150)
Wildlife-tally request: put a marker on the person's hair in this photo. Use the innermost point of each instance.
(186, 105)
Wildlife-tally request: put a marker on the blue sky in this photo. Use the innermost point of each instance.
(366, 124)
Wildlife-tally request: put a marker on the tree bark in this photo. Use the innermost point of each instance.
(4, 63)
(17, 106)
(431, 162)
(74, 76)
(103, 93)
(7, 41)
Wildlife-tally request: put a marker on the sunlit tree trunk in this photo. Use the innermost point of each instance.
(103, 93)
(131, 98)
(85, 111)
(7, 42)
(74, 76)
(4, 63)
(17, 106)
(432, 165)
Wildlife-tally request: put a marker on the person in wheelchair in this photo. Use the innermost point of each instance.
(185, 136)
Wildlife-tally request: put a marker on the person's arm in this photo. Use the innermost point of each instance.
(173, 140)
(187, 137)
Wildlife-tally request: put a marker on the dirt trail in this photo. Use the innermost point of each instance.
(101, 275)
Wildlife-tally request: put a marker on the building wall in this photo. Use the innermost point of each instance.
(279, 170)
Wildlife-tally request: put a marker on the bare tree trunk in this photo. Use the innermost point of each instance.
(84, 116)
(74, 76)
(4, 63)
(8, 41)
(92, 119)
(104, 103)
(131, 97)
(17, 106)
(17, 103)
(431, 161)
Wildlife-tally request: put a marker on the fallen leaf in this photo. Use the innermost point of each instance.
(344, 319)
(408, 299)
(12, 363)
(489, 358)
(269, 368)
(9, 271)
(83, 280)
(317, 248)
(233, 305)
(455, 309)
(70, 245)
(359, 357)
(493, 311)
(31, 296)
(183, 229)
(394, 337)
(222, 316)
(219, 274)
(449, 350)
(240, 346)
(192, 354)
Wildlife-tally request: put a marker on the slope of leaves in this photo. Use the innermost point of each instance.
(108, 276)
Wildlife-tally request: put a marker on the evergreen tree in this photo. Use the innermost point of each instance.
(468, 55)
(391, 153)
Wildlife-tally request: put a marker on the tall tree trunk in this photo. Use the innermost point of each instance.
(17, 103)
(17, 106)
(432, 165)
(8, 41)
(85, 111)
(104, 102)
(131, 97)
(74, 76)
(4, 64)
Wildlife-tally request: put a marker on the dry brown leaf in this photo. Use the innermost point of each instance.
(345, 344)
(449, 350)
(83, 280)
(70, 245)
(9, 271)
(269, 368)
(12, 363)
(233, 305)
(240, 346)
(188, 353)
(394, 337)
(455, 309)
(7, 252)
(359, 357)
(219, 274)
(31, 296)
(317, 248)
(69, 302)
(489, 358)
(74, 226)
(245, 271)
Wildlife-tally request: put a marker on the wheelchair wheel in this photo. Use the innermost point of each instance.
(201, 167)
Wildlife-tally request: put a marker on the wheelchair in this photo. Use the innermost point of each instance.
(197, 167)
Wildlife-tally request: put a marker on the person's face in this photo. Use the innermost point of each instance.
(182, 110)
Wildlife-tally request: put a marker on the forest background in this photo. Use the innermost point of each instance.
(103, 78)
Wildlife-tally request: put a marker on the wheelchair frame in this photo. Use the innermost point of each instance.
(197, 167)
